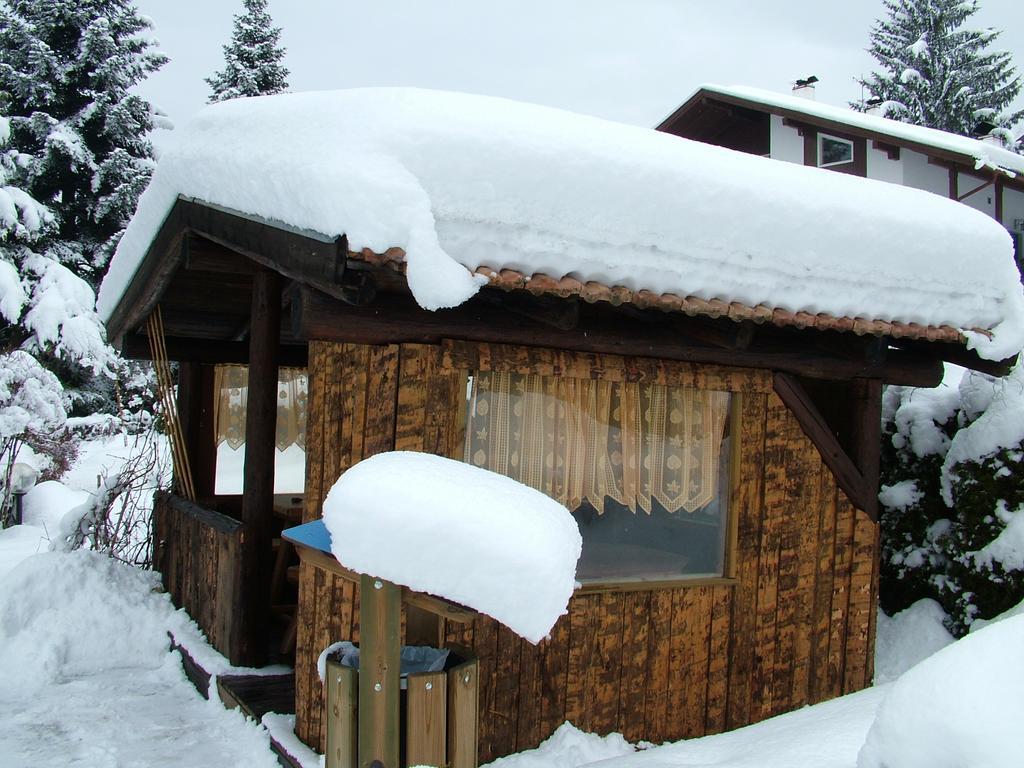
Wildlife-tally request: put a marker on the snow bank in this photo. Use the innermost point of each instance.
(462, 181)
(826, 735)
(908, 637)
(568, 747)
(960, 707)
(89, 678)
(67, 615)
(458, 532)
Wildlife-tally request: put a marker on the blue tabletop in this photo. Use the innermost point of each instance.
(313, 535)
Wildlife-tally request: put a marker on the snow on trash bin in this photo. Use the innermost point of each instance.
(452, 530)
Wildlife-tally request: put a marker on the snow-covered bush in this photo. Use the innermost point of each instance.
(953, 496)
(33, 411)
(118, 519)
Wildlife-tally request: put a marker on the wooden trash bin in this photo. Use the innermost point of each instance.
(371, 721)
(438, 721)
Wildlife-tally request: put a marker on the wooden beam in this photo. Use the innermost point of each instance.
(977, 189)
(302, 256)
(848, 475)
(437, 606)
(892, 151)
(380, 627)
(258, 470)
(958, 355)
(162, 259)
(195, 408)
(203, 255)
(136, 347)
(867, 438)
(397, 319)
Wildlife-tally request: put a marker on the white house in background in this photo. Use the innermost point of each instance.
(797, 129)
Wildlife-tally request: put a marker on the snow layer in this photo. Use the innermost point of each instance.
(463, 181)
(826, 735)
(960, 707)
(908, 637)
(89, 679)
(985, 155)
(568, 747)
(1000, 426)
(459, 532)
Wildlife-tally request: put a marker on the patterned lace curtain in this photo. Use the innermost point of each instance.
(579, 439)
(231, 385)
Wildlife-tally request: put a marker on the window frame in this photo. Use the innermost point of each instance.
(840, 140)
(464, 358)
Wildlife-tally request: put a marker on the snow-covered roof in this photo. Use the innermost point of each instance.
(984, 154)
(473, 188)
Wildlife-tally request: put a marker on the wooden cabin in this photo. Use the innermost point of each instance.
(721, 460)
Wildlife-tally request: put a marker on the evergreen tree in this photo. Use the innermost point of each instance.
(938, 73)
(253, 59)
(66, 71)
(74, 158)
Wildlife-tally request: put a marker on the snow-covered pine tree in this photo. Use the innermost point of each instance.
(253, 58)
(67, 69)
(937, 72)
(74, 143)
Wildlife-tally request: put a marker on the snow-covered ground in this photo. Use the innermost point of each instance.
(89, 680)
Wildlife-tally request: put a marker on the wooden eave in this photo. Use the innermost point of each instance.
(963, 162)
(199, 268)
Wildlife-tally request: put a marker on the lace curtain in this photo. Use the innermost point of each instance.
(231, 386)
(579, 439)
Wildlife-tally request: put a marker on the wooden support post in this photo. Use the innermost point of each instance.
(195, 410)
(380, 626)
(258, 472)
(867, 449)
(341, 716)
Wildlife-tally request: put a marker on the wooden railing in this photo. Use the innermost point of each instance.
(197, 552)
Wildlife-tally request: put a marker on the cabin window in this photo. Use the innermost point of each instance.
(231, 389)
(833, 151)
(642, 467)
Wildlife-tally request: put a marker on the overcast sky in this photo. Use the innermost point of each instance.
(627, 60)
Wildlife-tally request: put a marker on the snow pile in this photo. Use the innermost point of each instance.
(91, 612)
(459, 532)
(462, 181)
(907, 638)
(568, 747)
(89, 679)
(960, 707)
(826, 735)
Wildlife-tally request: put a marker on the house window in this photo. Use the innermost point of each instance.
(642, 467)
(231, 395)
(833, 151)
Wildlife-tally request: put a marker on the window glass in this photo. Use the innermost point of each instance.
(642, 467)
(833, 150)
(231, 389)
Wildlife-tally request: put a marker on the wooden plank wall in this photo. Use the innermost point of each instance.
(795, 626)
(197, 553)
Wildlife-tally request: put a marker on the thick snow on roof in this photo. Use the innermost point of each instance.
(460, 532)
(985, 155)
(461, 181)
